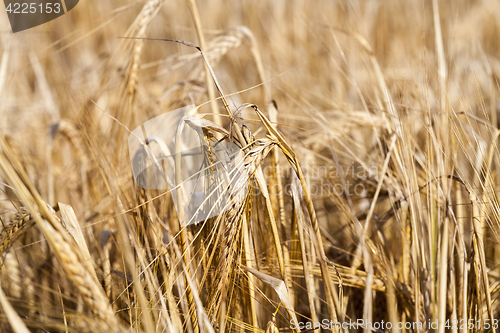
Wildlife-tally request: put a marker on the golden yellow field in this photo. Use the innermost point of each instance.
(361, 195)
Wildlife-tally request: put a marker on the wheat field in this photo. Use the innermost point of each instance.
(366, 196)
